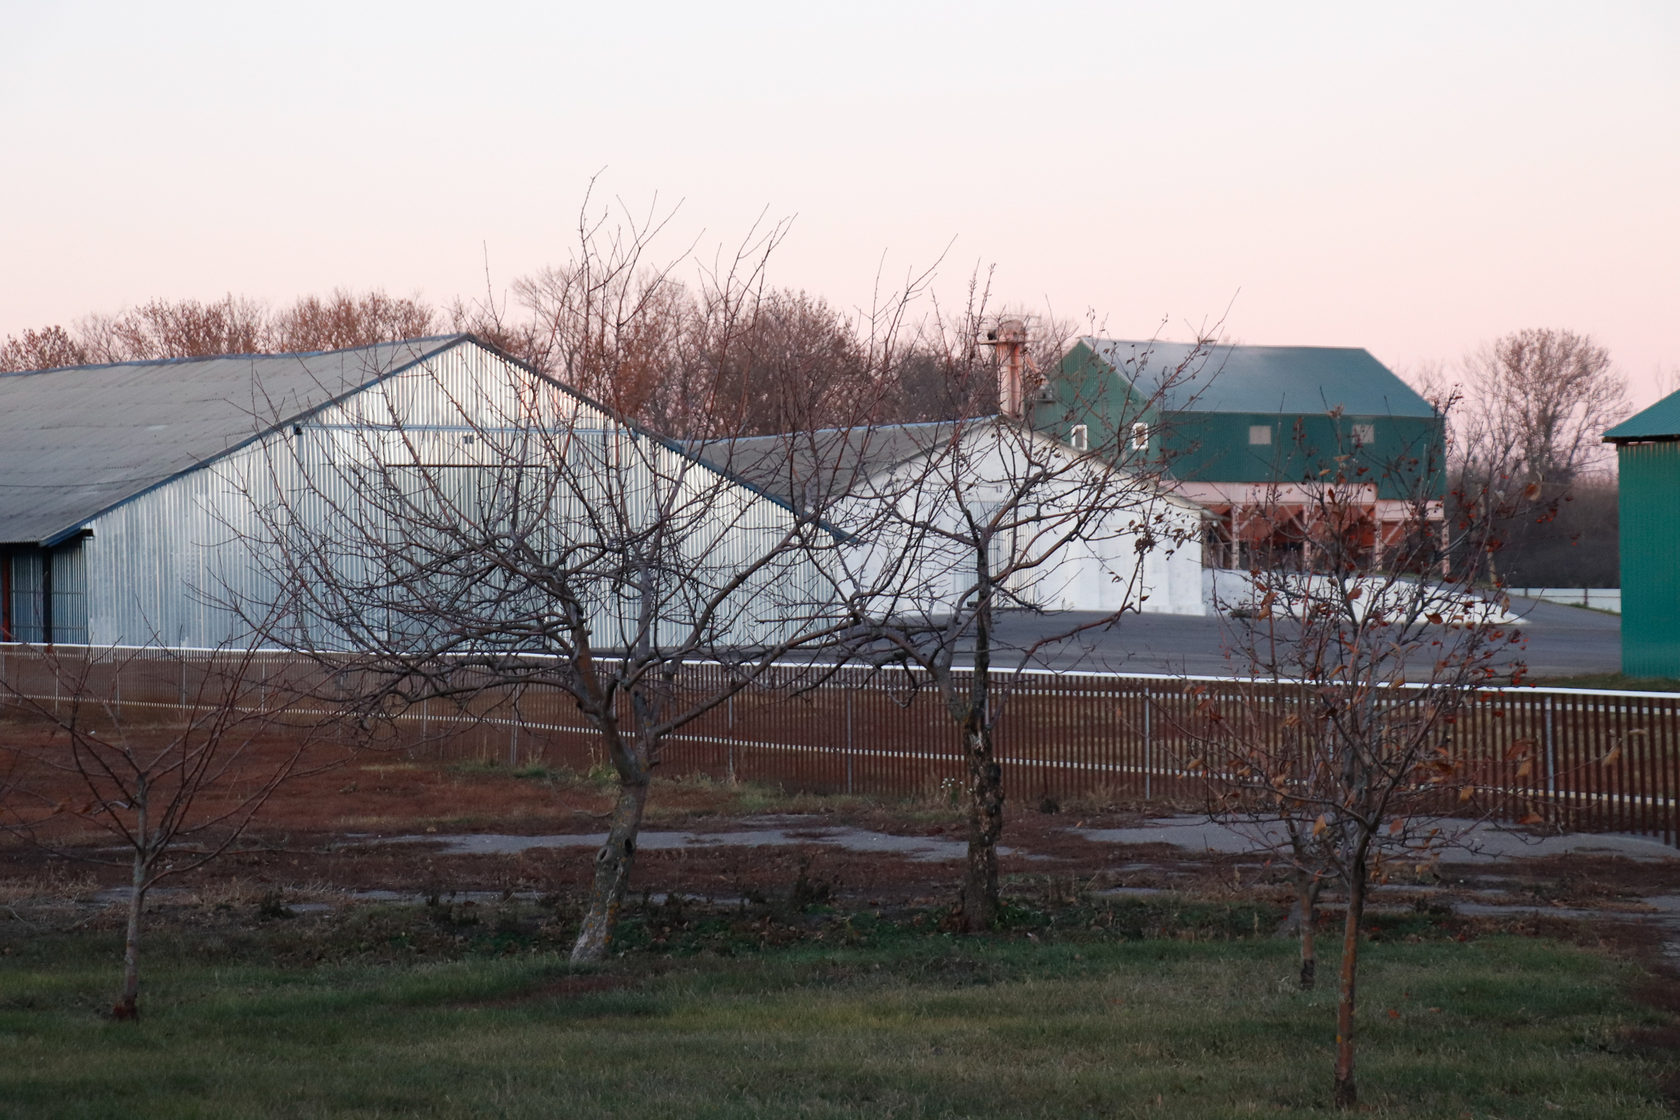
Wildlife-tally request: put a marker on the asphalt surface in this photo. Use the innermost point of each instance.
(1557, 641)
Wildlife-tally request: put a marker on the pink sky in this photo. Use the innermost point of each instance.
(1413, 179)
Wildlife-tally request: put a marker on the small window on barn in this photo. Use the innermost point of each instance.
(1140, 437)
(1364, 435)
(1259, 435)
(1080, 437)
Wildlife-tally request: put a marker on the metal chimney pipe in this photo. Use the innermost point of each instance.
(1009, 342)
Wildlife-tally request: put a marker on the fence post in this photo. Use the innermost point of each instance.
(1551, 752)
(849, 695)
(1148, 749)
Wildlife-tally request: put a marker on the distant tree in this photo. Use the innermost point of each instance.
(187, 328)
(47, 348)
(177, 329)
(612, 329)
(929, 385)
(1529, 411)
(694, 361)
(1537, 402)
(345, 319)
(794, 364)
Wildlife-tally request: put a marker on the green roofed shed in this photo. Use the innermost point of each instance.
(1648, 483)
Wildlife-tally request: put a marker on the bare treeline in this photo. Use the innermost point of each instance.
(231, 325)
(773, 360)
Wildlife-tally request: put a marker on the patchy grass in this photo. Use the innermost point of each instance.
(1158, 1007)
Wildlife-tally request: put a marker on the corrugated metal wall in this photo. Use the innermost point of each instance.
(1650, 539)
(179, 565)
(47, 591)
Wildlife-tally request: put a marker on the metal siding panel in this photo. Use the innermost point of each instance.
(26, 588)
(1649, 499)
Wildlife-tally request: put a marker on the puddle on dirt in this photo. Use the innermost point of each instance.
(925, 849)
(1479, 844)
(114, 896)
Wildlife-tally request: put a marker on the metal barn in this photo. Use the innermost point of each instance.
(152, 503)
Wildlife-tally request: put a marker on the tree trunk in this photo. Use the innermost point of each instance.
(612, 873)
(1346, 1095)
(985, 826)
(1306, 902)
(127, 1006)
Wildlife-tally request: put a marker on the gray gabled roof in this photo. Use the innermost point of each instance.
(1292, 380)
(77, 441)
(807, 469)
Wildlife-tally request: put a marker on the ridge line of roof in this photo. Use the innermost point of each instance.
(236, 356)
(1219, 345)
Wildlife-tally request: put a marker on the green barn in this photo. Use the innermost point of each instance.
(1243, 430)
(1648, 478)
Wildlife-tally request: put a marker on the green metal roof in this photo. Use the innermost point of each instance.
(1660, 421)
(1277, 379)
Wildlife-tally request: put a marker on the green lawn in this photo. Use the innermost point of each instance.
(1181, 1015)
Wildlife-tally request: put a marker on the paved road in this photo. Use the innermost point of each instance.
(1560, 641)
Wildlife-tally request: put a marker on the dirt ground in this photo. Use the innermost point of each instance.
(333, 829)
(386, 823)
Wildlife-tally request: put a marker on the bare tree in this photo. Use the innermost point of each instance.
(693, 362)
(172, 794)
(1539, 400)
(47, 348)
(1337, 746)
(1529, 410)
(954, 523)
(347, 319)
(177, 329)
(461, 535)
(161, 329)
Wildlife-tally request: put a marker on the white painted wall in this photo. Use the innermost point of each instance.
(911, 557)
